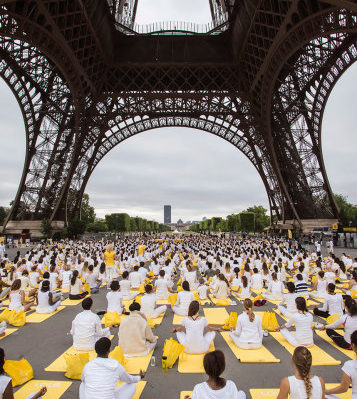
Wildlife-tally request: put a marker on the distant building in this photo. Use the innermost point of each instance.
(167, 214)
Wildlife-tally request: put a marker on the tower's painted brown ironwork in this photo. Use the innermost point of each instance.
(87, 77)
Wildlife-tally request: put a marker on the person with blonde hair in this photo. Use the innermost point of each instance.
(302, 385)
(248, 333)
(109, 256)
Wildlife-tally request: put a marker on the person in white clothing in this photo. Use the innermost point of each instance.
(216, 387)
(136, 278)
(248, 333)
(101, 375)
(320, 286)
(163, 286)
(46, 302)
(115, 298)
(86, 328)
(256, 280)
(275, 289)
(289, 299)
(302, 385)
(184, 298)
(333, 303)
(125, 287)
(202, 289)
(148, 304)
(17, 298)
(244, 286)
(191, 332)
(303, 324)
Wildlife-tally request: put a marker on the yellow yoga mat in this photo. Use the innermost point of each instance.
(192, 363)
(242, 299)
(8, 331)
(258, 292)
(216, 315)
(178, 319)
(261, 355)
(184, 393)
(215, 300)
(278, 313)
(268, 393)
(55, 389)
(74, 302)
(158, 320)
(59, 365)
(139, 388)
(162, 302)
(133, 365)
(325, 337)
(319, 357)
(128, 302)
(40, 317)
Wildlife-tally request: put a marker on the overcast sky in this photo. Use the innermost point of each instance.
(195, 172)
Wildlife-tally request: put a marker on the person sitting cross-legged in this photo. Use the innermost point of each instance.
(101, 375)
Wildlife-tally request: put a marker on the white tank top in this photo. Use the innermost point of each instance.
(298, 391)
(15, 301)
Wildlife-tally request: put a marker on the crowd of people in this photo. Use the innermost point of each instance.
(186, 271)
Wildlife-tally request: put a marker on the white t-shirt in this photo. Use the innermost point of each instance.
(202, 291)
(148, 304)
(115, 303)
(229, 391)
(303, 323)
(125, 287)
(350, 368)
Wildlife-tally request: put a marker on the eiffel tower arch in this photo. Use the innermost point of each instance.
(87, 77)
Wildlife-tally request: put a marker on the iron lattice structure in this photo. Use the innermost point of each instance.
(259, 78)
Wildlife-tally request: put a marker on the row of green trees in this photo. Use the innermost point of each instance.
(254, 219)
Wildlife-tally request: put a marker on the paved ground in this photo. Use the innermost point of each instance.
(42, 343)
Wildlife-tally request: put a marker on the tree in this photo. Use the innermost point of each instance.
(247, 221)
(262, 220)
(3, 215)
(98, 226)
(222, 225)
(214, 223)
(133, 225)
(348, 213)
(75, 228)
(118, 222)
(87, 211)
(233, 222)
(46, 228)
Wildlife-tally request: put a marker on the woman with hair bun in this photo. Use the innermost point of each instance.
(194, 325)
(216, 387)
(303, 324)
(248, 333)
(302, 385)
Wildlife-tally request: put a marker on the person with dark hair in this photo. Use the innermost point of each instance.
(46, 302)
(17, 298)
(301, 286)
(148, 304)
(275, 289)
(135, 334)
(349, 322)
(191, 332)
(184, 298)
(289, 299)
(256, 280)
(86, 328)
(125, 286)
(352, 284)
(136, 278)
(163, 286)
(333, 303)
(248, 333)
(76, 290)
(349, 373)
(115, 298)
(216, 387)
(320, 286)
(101, 376)
(303, 384)
(303, 324)
(221, 289)
(244, 286)
(93, 280)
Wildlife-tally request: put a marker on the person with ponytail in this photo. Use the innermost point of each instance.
(76, 287)
(302, 385)
(248, 333)
(216, 387)
(275, 289)
(349, 373)
(244, 288)
(221, 290)
(348, 320)
(303, 324)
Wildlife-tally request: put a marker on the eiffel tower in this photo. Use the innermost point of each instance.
(87, 77)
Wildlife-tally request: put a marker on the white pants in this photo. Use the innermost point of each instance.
(291, 338)
(110, 273)
(150, 346)
(125, 391)
(205, 344)
(157, 312)
(179, 311)
(244, 345)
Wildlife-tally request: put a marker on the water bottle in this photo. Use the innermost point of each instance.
(164, 364)
(152, 361)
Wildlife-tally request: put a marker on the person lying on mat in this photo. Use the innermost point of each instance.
(86, 328)
(76, 290)
(6, 389)
(17, 298)
(191, 332)
(349, 373)
(148, 304)
(215, 387)
(135, 335)
(115, 298)
(221, 289)
(349, 322)
(184, 298)
(46, 301)
(248, 333)
(101, 375)
(333, 303)
(303, 324)
(302, 384)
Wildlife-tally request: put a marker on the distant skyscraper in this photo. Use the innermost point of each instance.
(167, 214)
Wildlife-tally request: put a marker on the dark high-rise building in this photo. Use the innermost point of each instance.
(167, 214)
